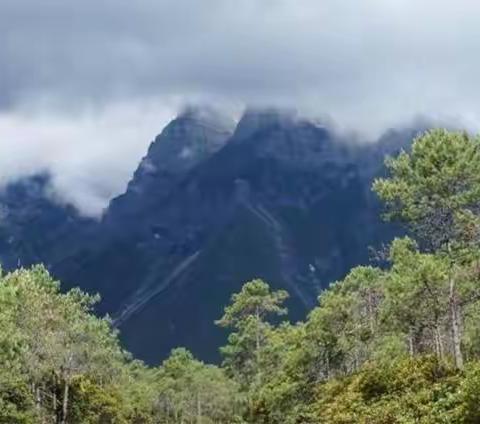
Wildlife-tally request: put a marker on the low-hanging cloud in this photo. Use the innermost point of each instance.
(89, 156)
(117, 69)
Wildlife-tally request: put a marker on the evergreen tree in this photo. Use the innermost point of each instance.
(248, 316)
(435, 189)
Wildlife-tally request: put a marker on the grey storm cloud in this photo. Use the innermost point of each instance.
(80, 79)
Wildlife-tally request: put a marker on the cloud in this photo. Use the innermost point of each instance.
(367, 64)
(90, 156)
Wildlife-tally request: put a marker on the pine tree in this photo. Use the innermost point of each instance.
(435, 189)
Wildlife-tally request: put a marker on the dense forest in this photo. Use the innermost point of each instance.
(395, 342)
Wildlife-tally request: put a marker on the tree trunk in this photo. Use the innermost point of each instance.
(371, 313)
(257, 346)
(455, 322)
(436, 346)
(411, 347)
(439, 342)
(38, 398)
(54, 406)
(199, 409)
(327, 367)
(38, 402)
(66, 390)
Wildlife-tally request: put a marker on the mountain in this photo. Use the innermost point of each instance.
(34, 226)
(135, 242)
(186, 142)
(211, 206)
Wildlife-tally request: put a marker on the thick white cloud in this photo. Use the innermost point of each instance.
(366, 64)
(90, 155)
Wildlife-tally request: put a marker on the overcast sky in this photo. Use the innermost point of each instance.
(85, 85)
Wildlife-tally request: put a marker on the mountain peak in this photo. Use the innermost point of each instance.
(255, 119)
(208, 116)
(195, 134)
(188, 140)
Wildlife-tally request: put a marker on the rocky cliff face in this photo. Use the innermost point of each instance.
(279, 198)
(184, 143)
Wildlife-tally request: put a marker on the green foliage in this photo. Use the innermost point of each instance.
(248, 316)
(381, 345)
(50, 340)
(191, 392)
(436, 187)
(254, 300)
(93, 403)
(398, 345)
(405, 391)
(62, 364)
(16, 401)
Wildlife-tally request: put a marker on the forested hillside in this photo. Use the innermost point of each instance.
(396, 342)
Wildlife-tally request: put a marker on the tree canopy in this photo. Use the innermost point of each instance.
(396, 344)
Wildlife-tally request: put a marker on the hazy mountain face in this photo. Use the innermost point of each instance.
(34, 227)
(209, 208)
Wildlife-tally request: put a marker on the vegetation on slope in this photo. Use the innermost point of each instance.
(393, 344)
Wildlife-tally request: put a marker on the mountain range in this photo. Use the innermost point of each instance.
(213, 204)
